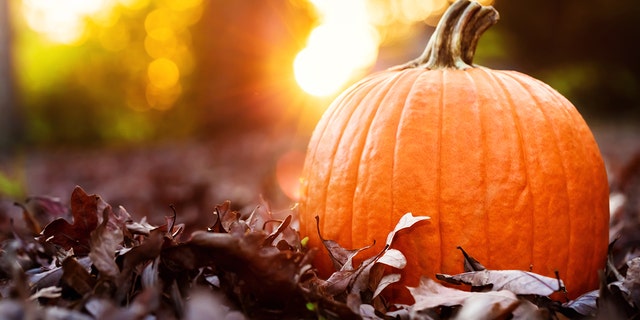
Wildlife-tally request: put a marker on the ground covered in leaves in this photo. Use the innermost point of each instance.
(75, 256)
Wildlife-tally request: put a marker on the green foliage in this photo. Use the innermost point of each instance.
(12, 188)
(99, 89)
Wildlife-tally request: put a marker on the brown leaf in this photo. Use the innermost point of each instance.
(51, 277)
(613, 303)
(632, 281)
(477, 305)
(276, 233)
(470, 263)
(385, 282)
(405, 222)
(586, 304)
(84, 209)
(76, 276)
(393, 258)
(341, 258)
(48, 293)
(142, 227)
(203, 304)
(516, 281)
(225, 217)
(259, 274)
(138, 255)
(339, 281)
(364, 283)
(39, 211)
(625, 219)
(104, 243)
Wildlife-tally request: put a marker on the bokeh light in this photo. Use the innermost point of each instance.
(62, 21)
(111, 24)
(163, 73)
(288, 173)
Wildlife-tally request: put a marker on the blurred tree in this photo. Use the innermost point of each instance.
(144, 69)
(245, 51)
(586, 49)
(121, 73)
(10, 123)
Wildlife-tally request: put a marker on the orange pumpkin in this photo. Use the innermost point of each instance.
(503, 164)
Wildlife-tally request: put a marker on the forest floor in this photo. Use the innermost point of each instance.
(174, 184)
(194, 176)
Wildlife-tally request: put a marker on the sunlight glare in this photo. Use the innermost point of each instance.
(332, 57)
(61, 21)
(345, 43)
(343, 46)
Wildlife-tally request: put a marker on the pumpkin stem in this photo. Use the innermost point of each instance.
(454, 41)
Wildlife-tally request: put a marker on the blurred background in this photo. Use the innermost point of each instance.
(151, 102)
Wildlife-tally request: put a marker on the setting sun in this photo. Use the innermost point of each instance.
(344, 45)
(341, 47)
(334, 55)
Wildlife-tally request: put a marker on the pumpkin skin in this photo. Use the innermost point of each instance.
(503, 164)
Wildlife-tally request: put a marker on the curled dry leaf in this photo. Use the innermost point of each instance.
(84, 209)
(516, 281)
(632, 281)
(76, 277)
(38, 211)
(48, 292)
(367, 279)
(341, 258)
(203, 304)
(406, 222)
(470, 263)
(105, 241)
(584, 305)
(430, 296)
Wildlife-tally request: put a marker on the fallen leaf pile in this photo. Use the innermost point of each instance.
(89, 260)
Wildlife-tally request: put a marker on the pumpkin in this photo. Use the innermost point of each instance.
(503, 164)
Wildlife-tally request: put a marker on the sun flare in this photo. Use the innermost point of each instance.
(345, 43)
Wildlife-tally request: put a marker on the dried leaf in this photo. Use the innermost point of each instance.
(516, 281)
(51, 277)
(527, 310)
(142, 227)
(405, 222)
(76, 276)
(470, 263)
(84, 209)
(341, 258)
(105, 241)
(39, 211)
(479, 305)
(363, 284)
(339, 281)
(586, 304)
(386, 281)
(632, 281)
(204, 304)
(225, 217)
(276, 233)
(48, 292)
(141, 254)
(393, 258)
(613, 303)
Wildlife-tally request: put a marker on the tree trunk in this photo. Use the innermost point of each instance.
(9, 119)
